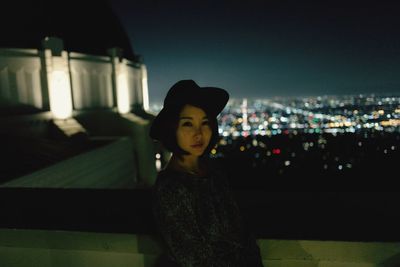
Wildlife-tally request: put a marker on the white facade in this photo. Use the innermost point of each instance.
(21, 77)
(68, 84)
(71, 81)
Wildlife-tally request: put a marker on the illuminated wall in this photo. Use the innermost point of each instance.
(63, 82)
(21, 78)
(59, 85)
(135, 82)
(91, 78)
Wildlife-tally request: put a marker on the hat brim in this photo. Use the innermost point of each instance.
(211, 99)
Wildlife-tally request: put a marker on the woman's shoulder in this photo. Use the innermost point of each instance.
(168, 179)
(170, 189)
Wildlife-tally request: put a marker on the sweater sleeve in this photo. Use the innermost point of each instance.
(177, 222)
(175, 217)
(238, 225)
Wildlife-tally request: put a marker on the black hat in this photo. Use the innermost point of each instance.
(211, 99)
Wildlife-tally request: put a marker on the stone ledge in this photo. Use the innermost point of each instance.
(20, 248)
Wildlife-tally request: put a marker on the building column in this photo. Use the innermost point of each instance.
(58, 78)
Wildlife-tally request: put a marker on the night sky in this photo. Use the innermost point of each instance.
(267, 48)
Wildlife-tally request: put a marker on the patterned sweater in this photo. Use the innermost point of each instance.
(200, 222)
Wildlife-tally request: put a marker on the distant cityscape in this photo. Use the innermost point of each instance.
(322, 137)
(321, 114)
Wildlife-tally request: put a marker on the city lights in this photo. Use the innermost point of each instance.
(320, 137)
(322, 114)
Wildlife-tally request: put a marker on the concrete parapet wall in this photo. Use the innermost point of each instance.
(20, 248)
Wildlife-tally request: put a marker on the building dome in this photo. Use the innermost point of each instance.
(89, 27)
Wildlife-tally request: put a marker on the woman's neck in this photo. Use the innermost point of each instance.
(188, 163)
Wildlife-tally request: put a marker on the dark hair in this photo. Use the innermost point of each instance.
(171, 123)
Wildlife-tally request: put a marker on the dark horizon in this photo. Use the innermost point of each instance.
(267, 48)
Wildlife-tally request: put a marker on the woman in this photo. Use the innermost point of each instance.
(194, 209)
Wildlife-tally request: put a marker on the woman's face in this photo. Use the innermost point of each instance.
(194, 132)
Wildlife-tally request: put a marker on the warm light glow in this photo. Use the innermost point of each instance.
(60, 95)
(158, 165)
(392, 122)
(123, 94)
(145, 89)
